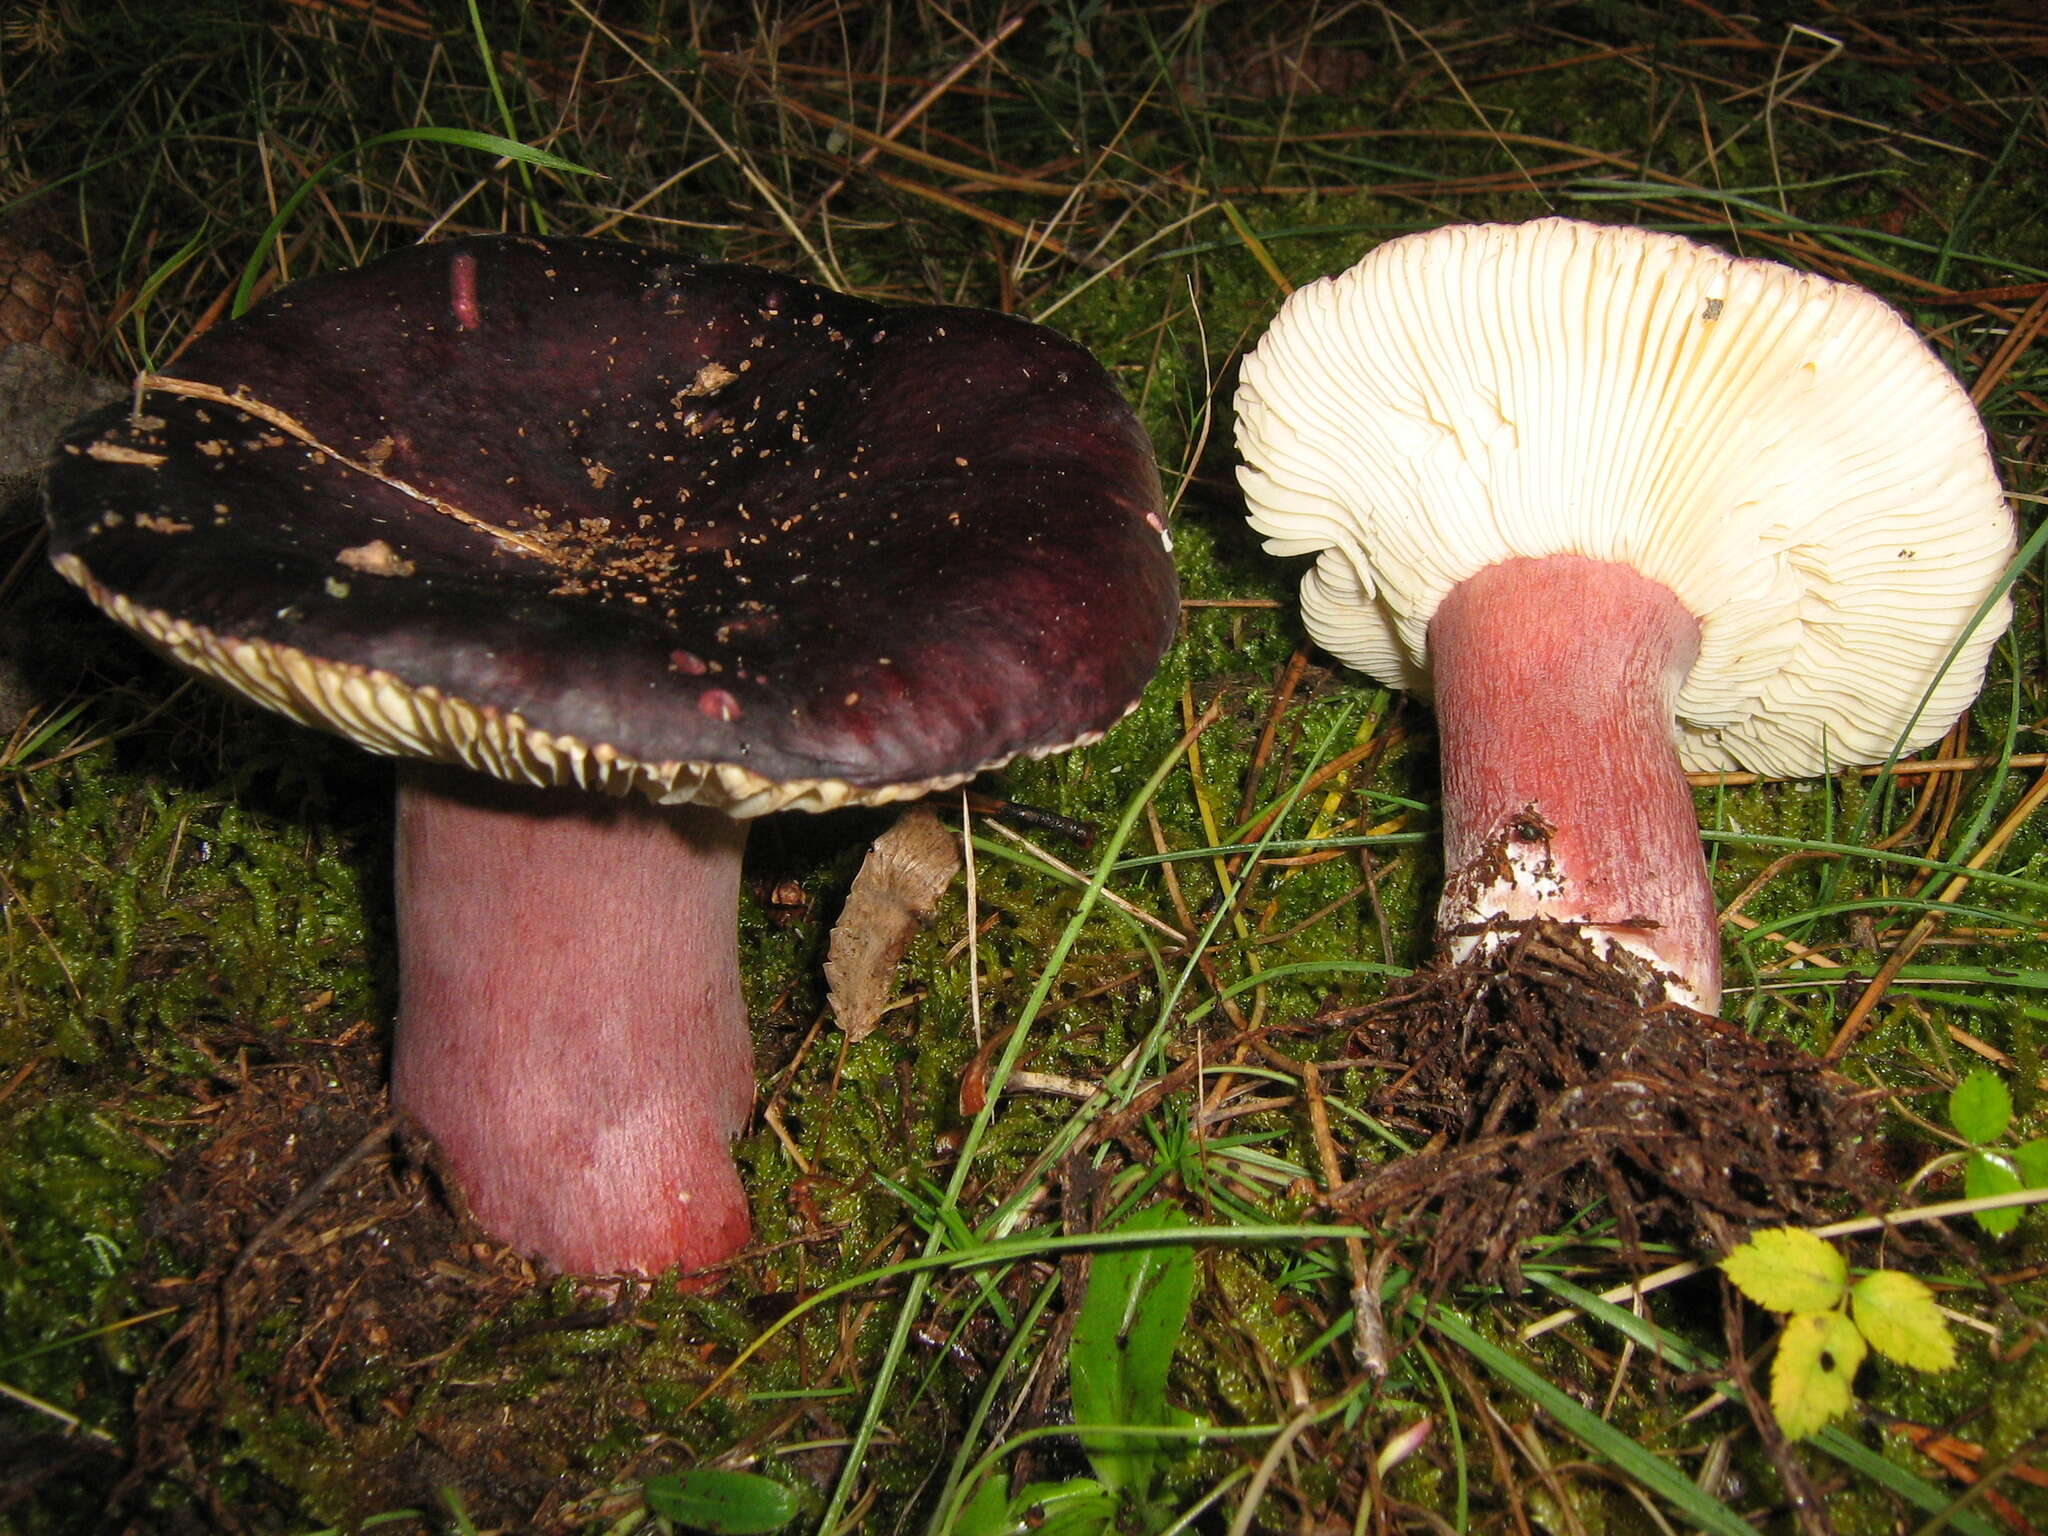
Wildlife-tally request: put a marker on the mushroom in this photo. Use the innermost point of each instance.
(1628, 506)
(699, 541)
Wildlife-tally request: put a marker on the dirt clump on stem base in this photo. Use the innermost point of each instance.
(347, 1339)
(1538, 1081)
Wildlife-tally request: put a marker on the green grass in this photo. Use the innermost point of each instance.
(193, 905)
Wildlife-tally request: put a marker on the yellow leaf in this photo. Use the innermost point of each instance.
(1817, 1358)
(1898, 1315)
(1788, 1270)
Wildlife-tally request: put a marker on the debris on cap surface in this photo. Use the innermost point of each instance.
(577, 512)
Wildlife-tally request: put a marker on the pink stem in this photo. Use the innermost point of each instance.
(1563, 796)
(571, 1028)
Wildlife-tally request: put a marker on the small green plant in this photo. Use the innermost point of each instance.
(1980, 1110)
(1832, 1323)
(1124, 1336)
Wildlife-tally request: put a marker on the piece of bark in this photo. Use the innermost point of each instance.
(894, 895)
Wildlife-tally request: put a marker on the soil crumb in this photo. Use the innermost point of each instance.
(1537, 1081)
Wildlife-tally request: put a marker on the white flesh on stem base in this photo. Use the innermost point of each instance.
(571, 1028)
(1562, 792)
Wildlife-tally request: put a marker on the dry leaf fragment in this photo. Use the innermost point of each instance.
(114, 453)
(893, 896)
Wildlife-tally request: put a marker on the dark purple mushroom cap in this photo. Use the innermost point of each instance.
(573, 512)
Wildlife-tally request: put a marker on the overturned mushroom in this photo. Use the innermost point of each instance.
(553, 515)
(1627, 506)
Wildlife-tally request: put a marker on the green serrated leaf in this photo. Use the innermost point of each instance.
(723, 1503)
(1986, 1174)
(1843, 1447)
(1897, 1315)
(2031, 1159)
(1811, 1374)
(1980, 1106)
(1788, 1269)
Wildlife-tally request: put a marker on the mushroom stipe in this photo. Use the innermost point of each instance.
(582, 516)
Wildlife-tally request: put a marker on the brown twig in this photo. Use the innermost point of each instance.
(924, 103)
(1912, 769)
(1895, 962)
(1369, 1339)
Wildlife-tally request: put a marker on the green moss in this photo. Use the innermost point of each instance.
(153, 934)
